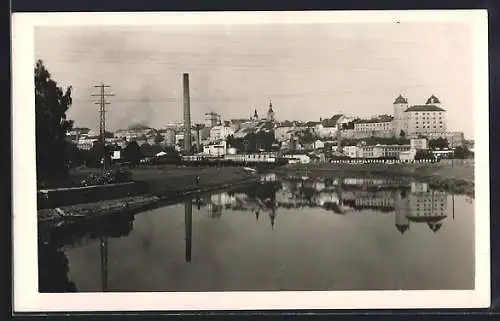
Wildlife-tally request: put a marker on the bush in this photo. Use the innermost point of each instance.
(108, 177)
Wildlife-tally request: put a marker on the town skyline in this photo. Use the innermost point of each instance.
(308, 71)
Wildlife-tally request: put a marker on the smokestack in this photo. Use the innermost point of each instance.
(187, 114)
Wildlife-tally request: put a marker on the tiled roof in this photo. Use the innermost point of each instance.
(369, 121)
(432, 100)
(424, 108)
(332, 122)
(400, 100)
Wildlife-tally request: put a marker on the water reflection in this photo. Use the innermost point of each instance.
(53, 263)
(280, 234)
(411, 203)
(188, 223)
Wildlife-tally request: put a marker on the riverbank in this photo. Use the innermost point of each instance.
(458, 179)
(163, 185)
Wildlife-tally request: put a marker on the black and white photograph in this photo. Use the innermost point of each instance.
(257, 160)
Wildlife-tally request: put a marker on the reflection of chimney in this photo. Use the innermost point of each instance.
(104, 263)
(187, 114)
(188, 223)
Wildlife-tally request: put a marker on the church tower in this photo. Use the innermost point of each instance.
(399, 106)
(270, 112)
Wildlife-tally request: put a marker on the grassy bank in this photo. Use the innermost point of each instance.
(457, 179)
(163, 185)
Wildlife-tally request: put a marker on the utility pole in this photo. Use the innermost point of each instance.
(102, 132)
(102, 118)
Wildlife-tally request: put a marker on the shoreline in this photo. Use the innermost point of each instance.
(165, 186)
(458, 180)
(156, 196)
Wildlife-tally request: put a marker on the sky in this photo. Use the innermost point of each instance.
(308, 71)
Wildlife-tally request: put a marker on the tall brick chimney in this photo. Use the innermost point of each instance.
(187, 114)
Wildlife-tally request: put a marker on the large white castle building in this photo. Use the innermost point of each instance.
(415, 120)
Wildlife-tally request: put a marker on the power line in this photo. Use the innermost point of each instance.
(102, 117)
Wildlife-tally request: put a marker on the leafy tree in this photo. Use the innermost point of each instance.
(424, 154)
(97, 152)
(158, 138)
(74, 155)
(149, 150)
(51, 105)
(307, 137)
(132, 153)
(438, 143)
(461, 152)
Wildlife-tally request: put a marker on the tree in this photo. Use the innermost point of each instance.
(158, 138)
(424, 154)
(438, 143)
(132, 153)
(74, 155)
(51, 105)
(148, 150)
(97, 152)
(461, 152)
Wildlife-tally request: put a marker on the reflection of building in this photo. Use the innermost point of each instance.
(421, 206)
(417, 187)
(214, 210)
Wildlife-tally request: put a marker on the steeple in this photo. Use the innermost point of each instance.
(255, 115)
(270, 112)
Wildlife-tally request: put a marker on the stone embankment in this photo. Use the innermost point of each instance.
(159, 187)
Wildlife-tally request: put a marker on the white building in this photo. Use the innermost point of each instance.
(215, 149)
(220, 132)
(169, 137)
(419, 143)
(352, 151)
(373, 125)
(283, 134)
(319, 144)
(408, 155)
(418, 119)
(400, 105)
(212, 119)
(323, 131)
(300, 158)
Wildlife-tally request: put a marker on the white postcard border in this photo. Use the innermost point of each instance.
(26, 296)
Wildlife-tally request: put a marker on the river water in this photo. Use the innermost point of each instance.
(293, 233)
